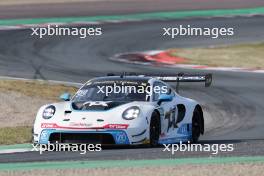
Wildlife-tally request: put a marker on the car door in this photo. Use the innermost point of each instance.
(169, 109)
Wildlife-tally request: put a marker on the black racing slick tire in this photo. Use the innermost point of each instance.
(196, 125)
(154, 130)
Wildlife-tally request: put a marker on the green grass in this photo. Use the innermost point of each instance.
(15, 135)
(38, 89)
(244, 55)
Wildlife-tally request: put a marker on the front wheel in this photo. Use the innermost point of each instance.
(154, 130)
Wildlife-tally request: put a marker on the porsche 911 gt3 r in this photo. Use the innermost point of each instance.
(97, 115)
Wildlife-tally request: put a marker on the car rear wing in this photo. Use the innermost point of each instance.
(180, 77)
(206, 78)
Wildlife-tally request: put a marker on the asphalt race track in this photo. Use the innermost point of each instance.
(234, 104)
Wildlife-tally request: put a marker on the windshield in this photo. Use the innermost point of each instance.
(116, 90)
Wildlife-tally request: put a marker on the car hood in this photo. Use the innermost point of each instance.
(96, 105)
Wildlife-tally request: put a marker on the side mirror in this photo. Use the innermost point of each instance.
(65, 96)
(164, 98)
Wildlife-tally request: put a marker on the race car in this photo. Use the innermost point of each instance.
(124, 109)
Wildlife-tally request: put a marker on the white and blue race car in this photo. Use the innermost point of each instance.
(129, 109)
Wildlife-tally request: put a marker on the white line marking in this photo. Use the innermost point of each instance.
(49, 81)
(5, 151)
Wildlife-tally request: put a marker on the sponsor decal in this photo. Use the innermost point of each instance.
(80, 124)
(185, 129)
(97, 103)
(49, 125)
(121, 138)
(44, 137)
(116, 126)
(84, 126)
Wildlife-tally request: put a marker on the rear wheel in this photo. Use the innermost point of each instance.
(154, 129)
(196, 126)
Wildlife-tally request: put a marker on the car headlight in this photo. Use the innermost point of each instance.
(48, 112)
(131, 113)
